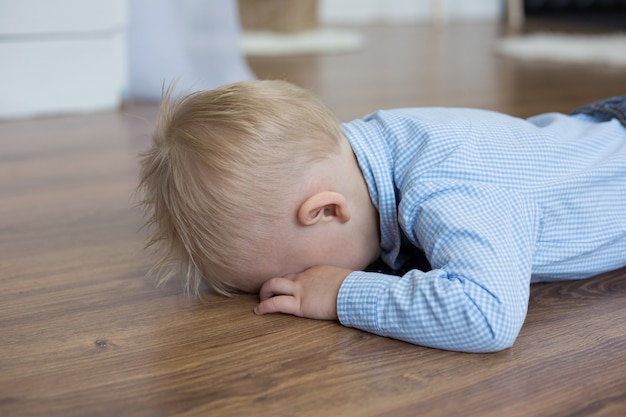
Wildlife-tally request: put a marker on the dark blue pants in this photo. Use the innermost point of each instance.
(607, 109)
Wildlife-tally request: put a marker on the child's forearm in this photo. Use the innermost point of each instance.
(432, 309)
(480, 240)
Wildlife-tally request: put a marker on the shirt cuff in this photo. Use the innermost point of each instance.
(357, 302)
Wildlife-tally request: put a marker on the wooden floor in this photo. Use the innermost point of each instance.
(83, 333)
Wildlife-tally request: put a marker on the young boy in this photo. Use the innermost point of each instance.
(256, 187)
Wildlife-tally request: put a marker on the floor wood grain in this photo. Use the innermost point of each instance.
(82, 332)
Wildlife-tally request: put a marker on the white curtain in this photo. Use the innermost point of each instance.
(194, 43)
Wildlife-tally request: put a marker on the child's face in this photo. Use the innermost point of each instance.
(295, 261)
(353, 246)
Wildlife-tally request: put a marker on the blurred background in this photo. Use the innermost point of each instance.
(74, 56)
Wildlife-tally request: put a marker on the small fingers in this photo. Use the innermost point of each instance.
(276, 286)
(279, 304)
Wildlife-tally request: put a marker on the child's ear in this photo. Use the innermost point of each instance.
(323, 206)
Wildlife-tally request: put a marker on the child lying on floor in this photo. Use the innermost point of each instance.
(256, 187)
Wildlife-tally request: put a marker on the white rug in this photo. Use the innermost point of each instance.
(553, 47)
(317, 41)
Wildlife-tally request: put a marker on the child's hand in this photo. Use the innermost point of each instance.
(312, 293)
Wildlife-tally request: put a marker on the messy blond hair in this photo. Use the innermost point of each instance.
(218, 163)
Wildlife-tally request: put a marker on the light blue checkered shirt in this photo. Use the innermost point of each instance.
(496, 203)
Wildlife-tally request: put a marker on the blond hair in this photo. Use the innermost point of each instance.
(218, 164)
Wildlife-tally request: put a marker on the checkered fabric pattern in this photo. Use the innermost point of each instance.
(495, 203)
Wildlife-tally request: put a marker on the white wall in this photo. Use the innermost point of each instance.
(362, 11)
(61, 56)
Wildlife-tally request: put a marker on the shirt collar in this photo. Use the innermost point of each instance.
(367, 140)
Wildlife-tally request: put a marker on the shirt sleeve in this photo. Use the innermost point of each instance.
(480, 242)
